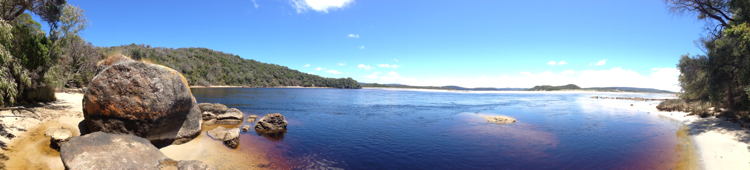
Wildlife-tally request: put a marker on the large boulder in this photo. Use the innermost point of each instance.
(220, 114)
(271, 123)
(146, 100)
(230, 137)
(119, 151)
(106, 151)
(58, 136)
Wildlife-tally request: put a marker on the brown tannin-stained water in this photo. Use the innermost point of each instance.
(388, 129)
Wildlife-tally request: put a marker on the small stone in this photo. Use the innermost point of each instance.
(246, 128)
(58, 136)
(251, 118)
(230, 137)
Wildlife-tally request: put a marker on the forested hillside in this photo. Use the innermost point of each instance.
(206, 67)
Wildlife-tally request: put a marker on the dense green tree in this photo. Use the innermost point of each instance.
(205, 67)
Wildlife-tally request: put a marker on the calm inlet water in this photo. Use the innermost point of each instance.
(389, 129)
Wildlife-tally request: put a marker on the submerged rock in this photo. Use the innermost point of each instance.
(58, 136)
(499, 119)
(100, 150)
(271, 123)
(142, 99)
(166, 164)
(230, 137)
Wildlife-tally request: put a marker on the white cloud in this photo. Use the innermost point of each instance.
(395, 66)
(319, 5)
(552, 63)
(525, 73)
(320, 68)
(601, 62)
(353, 36)
(384, 65)
(255, 4)
(366, 67)
(362, 47)
(373, 75)
(562, 63)
(310, 73)
(333, 71)
(395, 60)
(568, 72)
(347, 72)
(591, 63)
(306, 65)
(342, 64)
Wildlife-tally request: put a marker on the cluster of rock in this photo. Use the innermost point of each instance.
(131, 107)
(220, 114)
(628, 98)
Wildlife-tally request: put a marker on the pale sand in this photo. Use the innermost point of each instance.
(721, 144)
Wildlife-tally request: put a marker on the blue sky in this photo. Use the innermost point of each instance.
(479, 43)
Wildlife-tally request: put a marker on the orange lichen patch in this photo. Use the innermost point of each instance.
(112, 59)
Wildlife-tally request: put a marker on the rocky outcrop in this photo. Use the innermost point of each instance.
(271, 123)
(251, 118)
(499, 119)
(146, 100)
(100, 150)
(58, 136)
(220, 114)
(230, 137)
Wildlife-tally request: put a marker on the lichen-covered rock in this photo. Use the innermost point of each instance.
(271, 123)
(217, 108)
(146, 100)
(230, 137)
(499, 119)
(100, 150)
(111, 61)
(58, 136)
(251, 118)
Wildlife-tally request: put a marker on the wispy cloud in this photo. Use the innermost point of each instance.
(333, 71)
(366, 67)
(552, 63)
(384, 65)
(353, 36)
(320, 68)
(373, 75)
(306, 65)
(255, 4)
(362, 47)
(319, 5)
(562, 63)
(601, 62)
(395, 66)
(342, 64)
(395, 60)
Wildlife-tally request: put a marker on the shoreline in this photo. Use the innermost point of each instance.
(285, 87)
(527, 92)
(720, 144)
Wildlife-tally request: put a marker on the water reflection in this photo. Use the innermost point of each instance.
(384, 129)
(276, 136)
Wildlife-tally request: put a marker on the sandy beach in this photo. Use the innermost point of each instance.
(720, 144)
